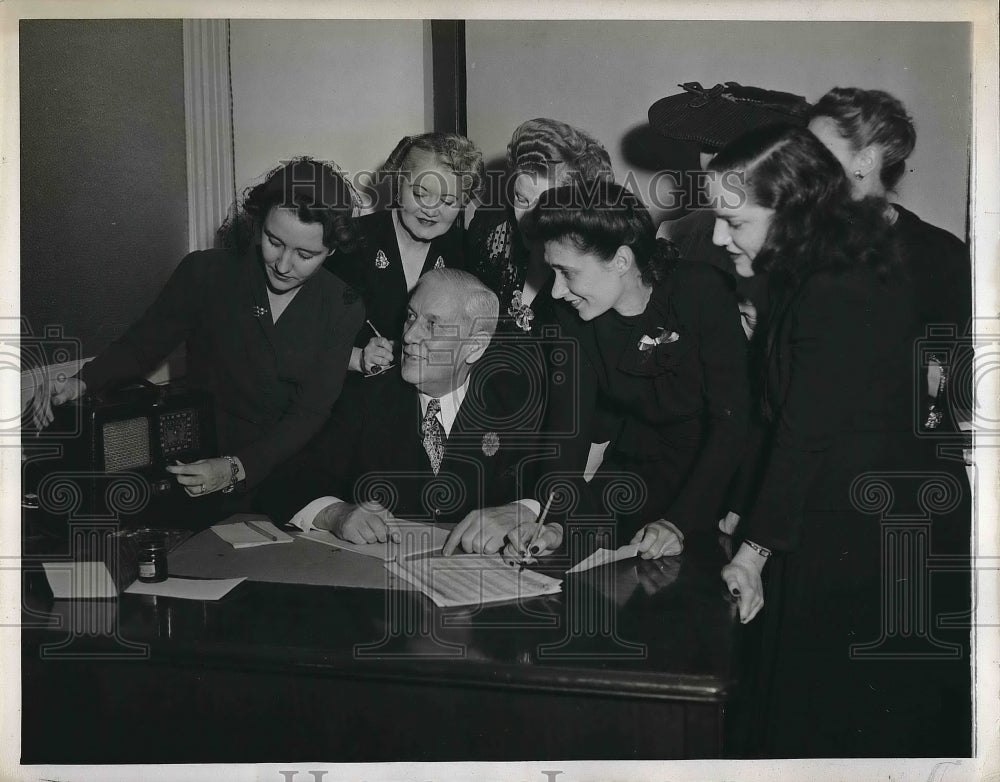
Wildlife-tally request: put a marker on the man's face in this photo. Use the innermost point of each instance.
(435, 339)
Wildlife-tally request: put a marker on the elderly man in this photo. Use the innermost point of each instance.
(437, 441)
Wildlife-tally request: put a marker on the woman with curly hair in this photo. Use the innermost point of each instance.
(542, 153)
(268, 331)
(872, 136)
(431, 178)
(838, 399)
(662, 355)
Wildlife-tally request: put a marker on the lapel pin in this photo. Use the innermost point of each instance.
(381, 262)
(439, 263)
(491, 443)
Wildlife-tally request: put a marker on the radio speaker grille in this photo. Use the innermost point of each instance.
(126, 444)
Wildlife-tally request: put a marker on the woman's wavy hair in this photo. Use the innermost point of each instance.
(316, 190)
(598, 218)
(872, 117)
(550, 147)
(816, 225)
(454, 152)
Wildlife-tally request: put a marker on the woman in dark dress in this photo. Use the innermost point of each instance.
(872, 136)
(840, 462)
(662, 350)
(268, 330)
(542, 153)
(431, 177)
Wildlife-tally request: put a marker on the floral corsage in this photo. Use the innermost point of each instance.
(663, 337)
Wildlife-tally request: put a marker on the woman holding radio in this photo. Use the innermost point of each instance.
(268, 330)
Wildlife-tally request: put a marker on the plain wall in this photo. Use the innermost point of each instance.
(603, 76)
(346, 91)
(103, 172)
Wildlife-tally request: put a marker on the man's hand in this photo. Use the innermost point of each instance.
(364, 523)
(483, 531)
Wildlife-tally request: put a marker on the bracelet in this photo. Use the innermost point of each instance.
(764, 552)
(234, 478)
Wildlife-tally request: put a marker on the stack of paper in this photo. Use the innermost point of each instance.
(472, 579)
(249, 532)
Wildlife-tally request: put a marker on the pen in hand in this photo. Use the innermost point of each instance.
(376, 369)
(526, 554)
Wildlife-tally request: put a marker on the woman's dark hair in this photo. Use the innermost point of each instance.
(871, 117)
(816, 225)
(452, 151)
(316, 190)
(599, 217)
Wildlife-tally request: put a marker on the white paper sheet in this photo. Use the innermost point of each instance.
(75, 580)
(414, 538)
(604, 556)
(187, 588)
(472, 579)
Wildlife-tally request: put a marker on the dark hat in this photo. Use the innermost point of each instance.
(715, 117)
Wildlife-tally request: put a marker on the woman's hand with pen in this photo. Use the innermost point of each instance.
(528, 542)
(376, 356)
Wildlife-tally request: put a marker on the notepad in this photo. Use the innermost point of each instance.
(414, 538)
(75, 580)
(187, 588)
(472, 579)
(249, 532)
(604, 556)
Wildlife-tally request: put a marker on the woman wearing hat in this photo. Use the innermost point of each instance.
(268, 331)
(704, 120)
(872, 136)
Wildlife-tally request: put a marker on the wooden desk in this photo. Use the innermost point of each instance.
(634, 661)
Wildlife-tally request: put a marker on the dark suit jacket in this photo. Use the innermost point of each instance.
(382, 282)
(372, 449)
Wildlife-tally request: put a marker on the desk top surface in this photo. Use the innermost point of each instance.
(655, 629)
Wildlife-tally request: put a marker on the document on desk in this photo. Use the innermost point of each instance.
(76, 580)
(245, 530)
(472, 579)
(414, 538)
(187, 588)
(604, 556)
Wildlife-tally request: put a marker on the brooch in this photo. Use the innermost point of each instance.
(491, 443)
(663, 337)
(381, 262)
(522, 313)
(258, 311)
(439, 263)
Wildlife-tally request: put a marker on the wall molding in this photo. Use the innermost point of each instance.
(209, 128)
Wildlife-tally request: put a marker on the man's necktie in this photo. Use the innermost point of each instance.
(433, 433)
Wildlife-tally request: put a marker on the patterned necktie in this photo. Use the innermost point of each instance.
(433, 433)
